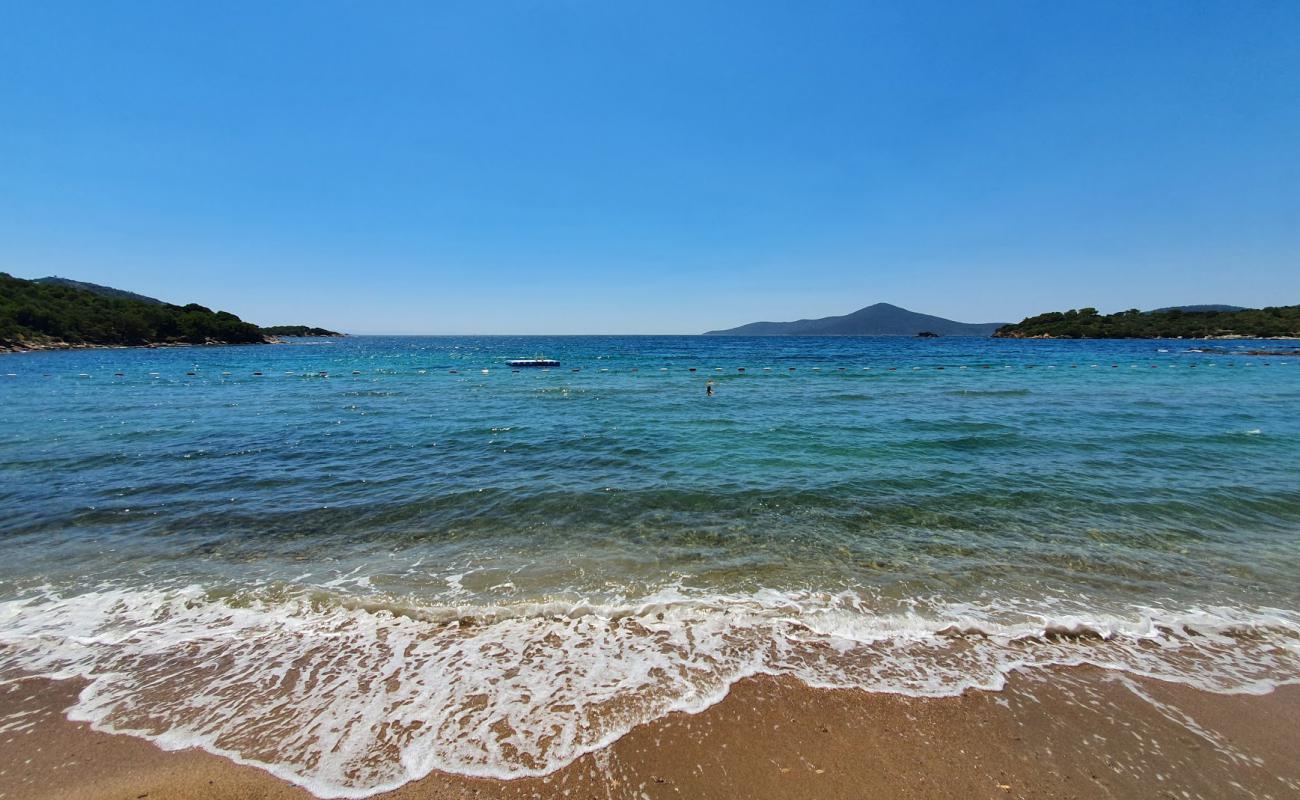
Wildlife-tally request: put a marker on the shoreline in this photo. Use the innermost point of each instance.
(1066, 732)
(45, 347)
(1230, 337)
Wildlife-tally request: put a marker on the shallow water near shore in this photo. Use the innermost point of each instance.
(375, 559)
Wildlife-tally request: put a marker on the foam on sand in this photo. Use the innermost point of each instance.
(349, 698)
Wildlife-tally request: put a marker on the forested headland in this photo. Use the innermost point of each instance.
(35, 315)
(1175, 323)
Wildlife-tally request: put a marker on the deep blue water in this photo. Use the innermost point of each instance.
(893, 514)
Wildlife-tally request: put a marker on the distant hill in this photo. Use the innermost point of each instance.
(881, 319)
(1197, 308)
(105, 291)
(1086, 323)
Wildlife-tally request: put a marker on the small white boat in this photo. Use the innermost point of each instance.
(533, 362)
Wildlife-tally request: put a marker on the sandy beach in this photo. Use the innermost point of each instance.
(672, 401)
(1062, 733)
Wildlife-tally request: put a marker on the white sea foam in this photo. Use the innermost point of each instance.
(348, 699)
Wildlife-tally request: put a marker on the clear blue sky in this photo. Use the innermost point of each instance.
(586, 167)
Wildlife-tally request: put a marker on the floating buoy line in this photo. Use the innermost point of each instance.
(739, 371)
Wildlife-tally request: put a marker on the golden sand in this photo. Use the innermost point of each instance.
(1064, 733)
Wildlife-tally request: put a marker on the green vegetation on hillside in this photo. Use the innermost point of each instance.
(107, 291)
(297, 330)
(1086, 323)
(36, 314)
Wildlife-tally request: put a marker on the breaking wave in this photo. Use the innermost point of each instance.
(351, 696)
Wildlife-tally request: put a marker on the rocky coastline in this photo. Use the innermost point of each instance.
(42, 345)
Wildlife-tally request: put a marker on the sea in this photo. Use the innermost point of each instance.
(353, 562)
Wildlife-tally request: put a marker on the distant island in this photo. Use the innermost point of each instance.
(881, 319)
(58, 313)
(297, 330)
(1185, 322)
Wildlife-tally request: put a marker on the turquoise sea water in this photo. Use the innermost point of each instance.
(384, 556)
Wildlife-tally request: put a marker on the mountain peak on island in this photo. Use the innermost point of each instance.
(878, 319)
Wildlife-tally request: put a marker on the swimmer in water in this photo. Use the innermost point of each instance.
(708, 389)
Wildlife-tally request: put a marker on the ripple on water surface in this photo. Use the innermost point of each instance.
(357, 567)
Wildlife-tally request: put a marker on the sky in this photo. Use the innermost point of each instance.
(652, 167)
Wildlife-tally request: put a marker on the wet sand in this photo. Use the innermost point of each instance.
(1064, 733)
